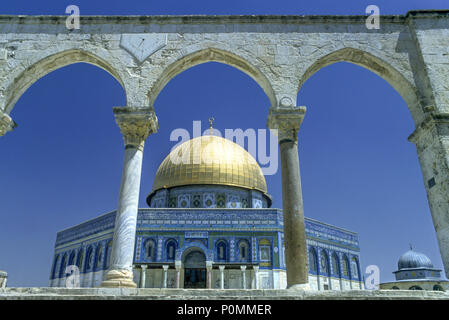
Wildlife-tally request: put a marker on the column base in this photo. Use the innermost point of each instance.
(119, 279)
(300, 287)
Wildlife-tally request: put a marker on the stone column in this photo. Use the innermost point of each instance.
(178, 273)
(243, 268)
(6, 123)
(431, 139)
(256, 277)
(164, 283)
(143, 271)
(209, 274)
(221, 268)
(135, 124)
(287, 121)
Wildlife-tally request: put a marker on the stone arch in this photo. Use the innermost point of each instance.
(375, 64)
(191, 246)
(51, 63)
(211, 54)
(437, 287)
(193, 251)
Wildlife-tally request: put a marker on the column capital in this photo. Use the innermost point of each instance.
(243, 268)
(136, 124)
(221, 268)
(165, 267)
(209, 265)
(287, 121)
(143, 267)
(6, 123)
(256, 268)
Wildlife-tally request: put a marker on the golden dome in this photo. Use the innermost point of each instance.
(210, 160)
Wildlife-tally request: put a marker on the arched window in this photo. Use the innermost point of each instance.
(89, 259)
(437, 287)
(150, 250)
(63, 265)
(107, 260)
(336, 265)
(415, 288)
(79, 261)
(313, 265)
(324, 262)
(71, 259)
(170, 249)
(354, 268)
(345, 266)
(222, 250)
(99, 257)
(55, 265)
(243, 248)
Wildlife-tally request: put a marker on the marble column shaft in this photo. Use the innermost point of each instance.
(243, 268)
(178, 274)
(287, 121)
(209, 274)
(143, 270)
(221, 268)
(135, 124)
(256, 277)
(164, 284)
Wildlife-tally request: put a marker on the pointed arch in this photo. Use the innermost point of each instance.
(324, 263)
(221, 249)
(313, 260)
(210, 55)
(375, 64)
(55, 265)
(51, 63)
(336, 265)
(170, 249)
(62, 266)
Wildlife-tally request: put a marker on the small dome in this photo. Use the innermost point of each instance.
(413, 259)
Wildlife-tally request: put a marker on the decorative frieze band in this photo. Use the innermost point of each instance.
(136, 124)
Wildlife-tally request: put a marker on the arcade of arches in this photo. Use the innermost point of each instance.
(279, 52)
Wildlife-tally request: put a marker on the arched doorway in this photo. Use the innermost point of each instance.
(195, 270)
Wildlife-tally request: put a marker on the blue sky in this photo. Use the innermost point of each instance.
(62, 165)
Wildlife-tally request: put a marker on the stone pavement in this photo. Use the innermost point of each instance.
(212, 294)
